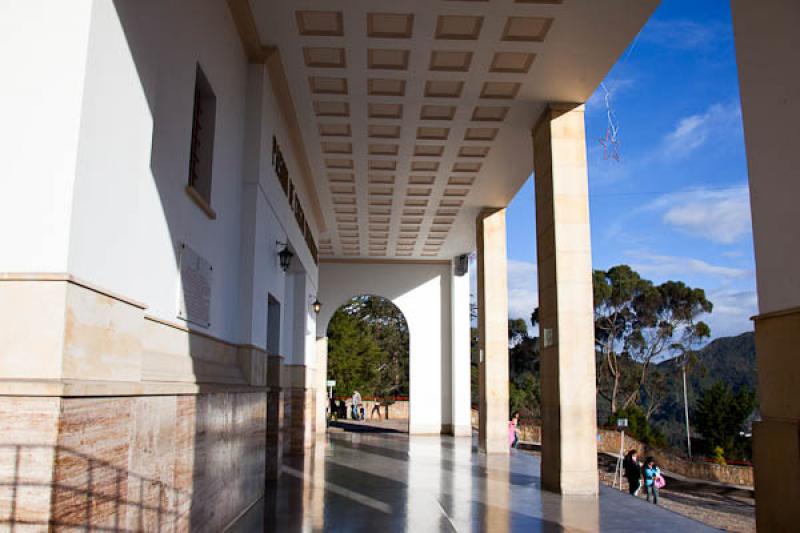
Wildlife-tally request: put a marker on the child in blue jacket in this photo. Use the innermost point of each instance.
(651, 472)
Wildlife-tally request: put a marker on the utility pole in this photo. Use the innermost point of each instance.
(686, 413)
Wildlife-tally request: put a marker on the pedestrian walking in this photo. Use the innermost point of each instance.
(356, 405)
(633, 472)
(513, 430)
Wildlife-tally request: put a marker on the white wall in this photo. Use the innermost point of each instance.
(100, 101)
(43, 49)
(422, 293)
(267, 220)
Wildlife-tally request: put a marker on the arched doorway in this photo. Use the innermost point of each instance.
(368, 357)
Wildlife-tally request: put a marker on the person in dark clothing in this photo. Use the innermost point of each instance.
(633, 472)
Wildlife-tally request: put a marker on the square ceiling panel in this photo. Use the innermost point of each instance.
(421, 180)
(461, 180)
(378, 178)
(512, 62)
(387, 59)
(382, 164)
(480, 134)
(500, 89)
(424, 166)
(466, 166)
(473, 151)
(376, 110)
(390, 25)
(324, 57)
(320, 23)
(327, 85)
(386, 87)
(331, 109)
(335, 130)
(341, 177)
(383, 131)
(530, 29)
(339, 163)
(383, 149)
(337, 148)
(433, 133)
(489, 113)
(437, 112)
(450, 60)
(427, 150)
(444, 88)
(458, 27)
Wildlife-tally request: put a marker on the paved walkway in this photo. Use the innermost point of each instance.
(388, 482)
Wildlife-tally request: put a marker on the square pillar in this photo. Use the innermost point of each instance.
(460, 356)
(566, 329)
(321, 365)
(493, 331)
(766, 47)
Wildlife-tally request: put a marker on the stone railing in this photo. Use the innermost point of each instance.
(608, 441)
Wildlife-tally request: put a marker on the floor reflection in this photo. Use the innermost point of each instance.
(392, 482)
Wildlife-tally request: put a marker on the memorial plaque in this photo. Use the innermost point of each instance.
(194, 287)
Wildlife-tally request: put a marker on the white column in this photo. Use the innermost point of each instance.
(460, 355)
(569, 446)
(767, 41)
(493, 331)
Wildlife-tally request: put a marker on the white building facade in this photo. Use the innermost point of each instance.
(182, 180)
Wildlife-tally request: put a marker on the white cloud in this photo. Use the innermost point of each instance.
(692, 132)
(681, 34)
(669, 266)
(732, 311)
(523, 296)
(721, 216)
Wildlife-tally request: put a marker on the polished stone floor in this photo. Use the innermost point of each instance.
(386, 482)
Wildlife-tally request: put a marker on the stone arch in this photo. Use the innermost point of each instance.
(404, 319)
(422, 293)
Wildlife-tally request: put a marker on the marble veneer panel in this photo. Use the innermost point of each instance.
(28, 433)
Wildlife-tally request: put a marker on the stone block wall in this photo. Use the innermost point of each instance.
(140, 463)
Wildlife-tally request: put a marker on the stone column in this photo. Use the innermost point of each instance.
(460, 355)
(766, 44)
(493, 331)
(321, 366)
(569, 447)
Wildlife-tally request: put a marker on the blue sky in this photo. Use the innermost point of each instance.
(675, 206)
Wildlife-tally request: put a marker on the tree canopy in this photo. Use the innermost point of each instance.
(720, 415)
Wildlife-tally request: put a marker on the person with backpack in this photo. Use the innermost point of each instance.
(652, 479)
(633, 472)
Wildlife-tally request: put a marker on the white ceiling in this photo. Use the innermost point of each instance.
(416, 196)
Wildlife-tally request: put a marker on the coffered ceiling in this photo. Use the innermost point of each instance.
(417, 114)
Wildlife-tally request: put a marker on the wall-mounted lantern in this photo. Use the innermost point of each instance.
(285, 256)
(316, 306)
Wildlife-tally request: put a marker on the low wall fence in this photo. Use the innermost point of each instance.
(397, 410)
(608, 441)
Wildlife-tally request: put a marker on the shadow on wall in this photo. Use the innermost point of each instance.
(88, 493)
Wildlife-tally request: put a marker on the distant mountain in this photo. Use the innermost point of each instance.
(728, 359)
(731, 360)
